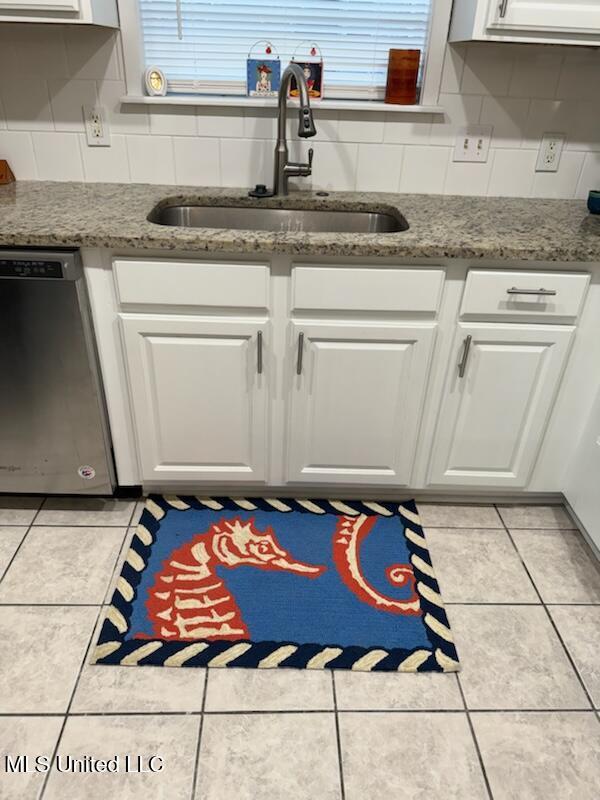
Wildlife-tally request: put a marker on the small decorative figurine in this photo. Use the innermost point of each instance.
(313, 72)
(155, 82)
(263, 74)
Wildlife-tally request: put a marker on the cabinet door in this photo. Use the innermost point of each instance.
(356, 401)
(198, 396)
(545, 15)
(493, 417)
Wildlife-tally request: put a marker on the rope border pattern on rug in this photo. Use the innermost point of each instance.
(114, 648)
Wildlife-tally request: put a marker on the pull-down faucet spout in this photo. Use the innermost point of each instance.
(284, 169)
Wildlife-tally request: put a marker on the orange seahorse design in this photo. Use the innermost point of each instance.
(347, 539)
(189, 601)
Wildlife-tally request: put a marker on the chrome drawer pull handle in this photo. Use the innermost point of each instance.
(542, 292)
(259, 352)
(465, 357)
(300, 354)
(503, 8)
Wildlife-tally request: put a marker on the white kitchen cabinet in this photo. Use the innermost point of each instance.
(493, 418)
(560, 21)
(583, 477)
(356, 400)
(87, 12)
(198, 389)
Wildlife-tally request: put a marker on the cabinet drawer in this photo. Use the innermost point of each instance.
(366, 289)
(192, 283)
(532, 295)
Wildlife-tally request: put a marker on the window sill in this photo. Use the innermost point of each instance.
(235, 101)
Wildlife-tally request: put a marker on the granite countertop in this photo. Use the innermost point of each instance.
(112, 215)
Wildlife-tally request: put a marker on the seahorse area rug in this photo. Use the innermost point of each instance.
(264, 583)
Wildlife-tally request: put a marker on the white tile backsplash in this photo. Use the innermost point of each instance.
(197, 161)
(522, 91)
(66, 100)
(513, 173)
(57, 156)
(562, 183)
(17, 148)
(407, 128)
(424, 169)
(173, 121)
(549, 116)
(123, 119)
(221, 122)
(488, 68)
(379, 167)
(536, 72)
(334, 166)
(106, 164)
(460, 110)
(507, 116)
(26, 104)
(467, 178)
(246, 162)
(590, 175)
(151, 159)
(92, 53)
(369, 128)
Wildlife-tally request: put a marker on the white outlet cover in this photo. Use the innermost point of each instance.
(97, 134)
(473, 143)
(550, 151)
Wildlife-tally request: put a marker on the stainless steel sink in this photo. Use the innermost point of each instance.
(278, 219)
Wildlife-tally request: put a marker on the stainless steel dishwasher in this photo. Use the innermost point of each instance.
(54, 435)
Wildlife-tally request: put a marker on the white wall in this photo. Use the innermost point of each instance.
(522, 90)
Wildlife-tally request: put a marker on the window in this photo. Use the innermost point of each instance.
(202, 45)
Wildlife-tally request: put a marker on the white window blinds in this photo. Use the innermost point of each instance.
(202, 46)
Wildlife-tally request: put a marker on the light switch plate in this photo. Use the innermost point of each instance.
(473, 143)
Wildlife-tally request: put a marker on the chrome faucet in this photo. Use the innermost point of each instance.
(284, 169)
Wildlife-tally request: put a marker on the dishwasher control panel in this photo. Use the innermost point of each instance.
(37, 264)
(30, 268)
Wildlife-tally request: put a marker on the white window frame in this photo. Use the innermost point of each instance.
(133, 57)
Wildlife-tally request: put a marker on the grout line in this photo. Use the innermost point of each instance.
(338, 738)
(82, 525)
(70, 703)
(29, 527)
(105, 598)
(14, 555)
(475, 742)
(199, 739)
(299, 711)
(551, 620)
(473, 603)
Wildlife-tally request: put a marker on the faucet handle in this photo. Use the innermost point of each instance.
(311, 153)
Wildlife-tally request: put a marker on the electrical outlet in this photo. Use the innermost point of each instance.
(96, 126)
(473, 143)
(550, 152)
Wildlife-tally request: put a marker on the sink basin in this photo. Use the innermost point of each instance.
(278, 219)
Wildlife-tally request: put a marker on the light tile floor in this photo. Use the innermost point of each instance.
(520, 721)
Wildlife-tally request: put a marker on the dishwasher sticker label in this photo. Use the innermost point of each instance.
(86, 472)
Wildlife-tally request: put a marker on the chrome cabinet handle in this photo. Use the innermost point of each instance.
(300, 354)
(259, 352)
(503, 8)
(465, 357)
(542, 292)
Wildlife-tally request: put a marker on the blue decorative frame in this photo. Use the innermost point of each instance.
(113, 648)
